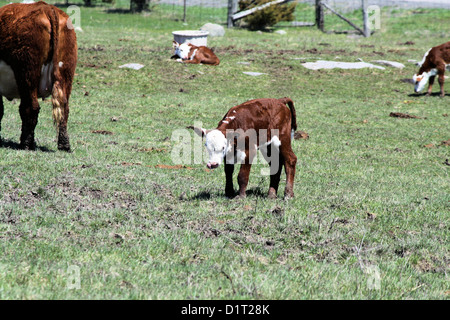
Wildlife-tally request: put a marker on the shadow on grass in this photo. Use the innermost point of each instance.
(433, 94)
(8, 144)
(206, 195)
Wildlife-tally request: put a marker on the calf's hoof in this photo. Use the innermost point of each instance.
(230, 194)
(64, 148)
(272, 194)
(28, 146)
(288, 195)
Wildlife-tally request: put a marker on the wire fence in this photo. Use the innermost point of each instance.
(216, 11)
(351, 5)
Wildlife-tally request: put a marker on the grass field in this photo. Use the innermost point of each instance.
(370, 217)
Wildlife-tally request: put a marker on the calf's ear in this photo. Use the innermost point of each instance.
(175, 44)
(200, 131)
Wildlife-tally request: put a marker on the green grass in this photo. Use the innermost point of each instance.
(368, 194)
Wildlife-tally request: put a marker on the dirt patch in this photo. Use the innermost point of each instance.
(403, 115)
(151, 149)
(126, 164)
(408, 80)
(95, 48)
(232, 50)
(445, 143)
(176, 167)
(66, 196)
(104, 132)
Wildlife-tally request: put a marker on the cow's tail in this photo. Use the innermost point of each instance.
(58, 96)
(290, 104)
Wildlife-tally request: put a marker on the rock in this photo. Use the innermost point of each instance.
(135, 66)
(215, 30)
(253, 74)
(280, 32)
(389, 63)
(323, 64)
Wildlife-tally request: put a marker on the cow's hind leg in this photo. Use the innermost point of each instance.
(29, 112)
(290, 161)
(60, 101)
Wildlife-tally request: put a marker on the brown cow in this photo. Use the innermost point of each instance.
(434, 62)
(264, 124)
(38, 55)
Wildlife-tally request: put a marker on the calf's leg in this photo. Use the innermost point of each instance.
(275, 173)
(243, 176)
(440, 71)
(430, 84)
(441, 84)
(244, 172)
(229, 189)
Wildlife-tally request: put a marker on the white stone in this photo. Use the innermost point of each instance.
(215, 30)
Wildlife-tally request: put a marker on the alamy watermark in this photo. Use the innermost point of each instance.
(74, 14)
(374, 277)
(374, 17)
(73, 277)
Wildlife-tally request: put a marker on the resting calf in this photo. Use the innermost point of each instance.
(433, 63)
(264, 124)
(188, 53)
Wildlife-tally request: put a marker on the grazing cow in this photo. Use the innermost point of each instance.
(38, 54)
(188, 53)
(434, 62)
(264, 124)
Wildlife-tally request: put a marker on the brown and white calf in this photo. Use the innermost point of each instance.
(261, 124)
(433, 64)
(38, 55)
(188, 53)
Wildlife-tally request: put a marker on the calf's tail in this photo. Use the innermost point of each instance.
(290, 104)
(58, 96)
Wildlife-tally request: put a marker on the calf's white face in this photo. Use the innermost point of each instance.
(216, 143)
(217, 146)
(421, 80)
(182, 50)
